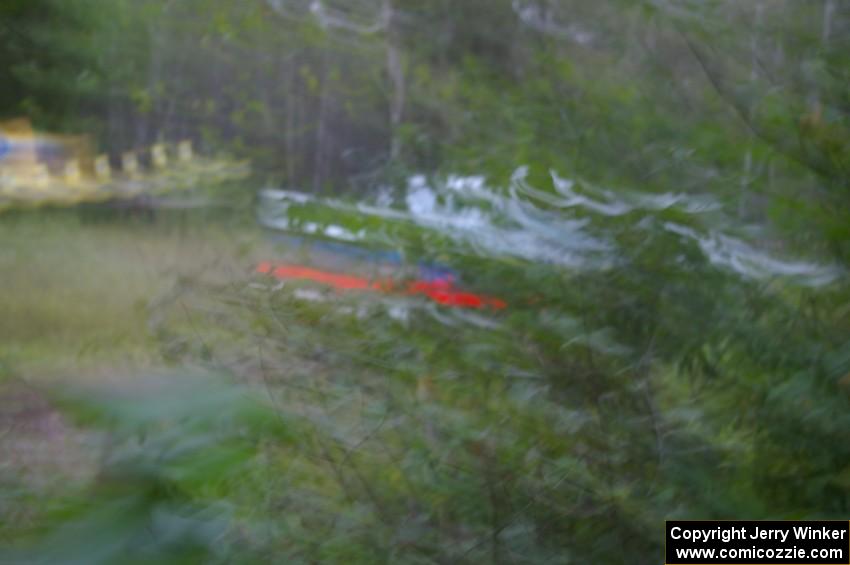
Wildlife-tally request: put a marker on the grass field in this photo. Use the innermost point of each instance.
(76, 291)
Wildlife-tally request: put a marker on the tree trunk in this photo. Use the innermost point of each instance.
(395, 71)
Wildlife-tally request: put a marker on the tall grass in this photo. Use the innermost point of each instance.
(76, 288)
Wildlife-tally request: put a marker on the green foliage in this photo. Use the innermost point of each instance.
(176, 443)
(661, 356)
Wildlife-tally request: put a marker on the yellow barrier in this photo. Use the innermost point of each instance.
(102, 170)
(158, 157)
(38, 169)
